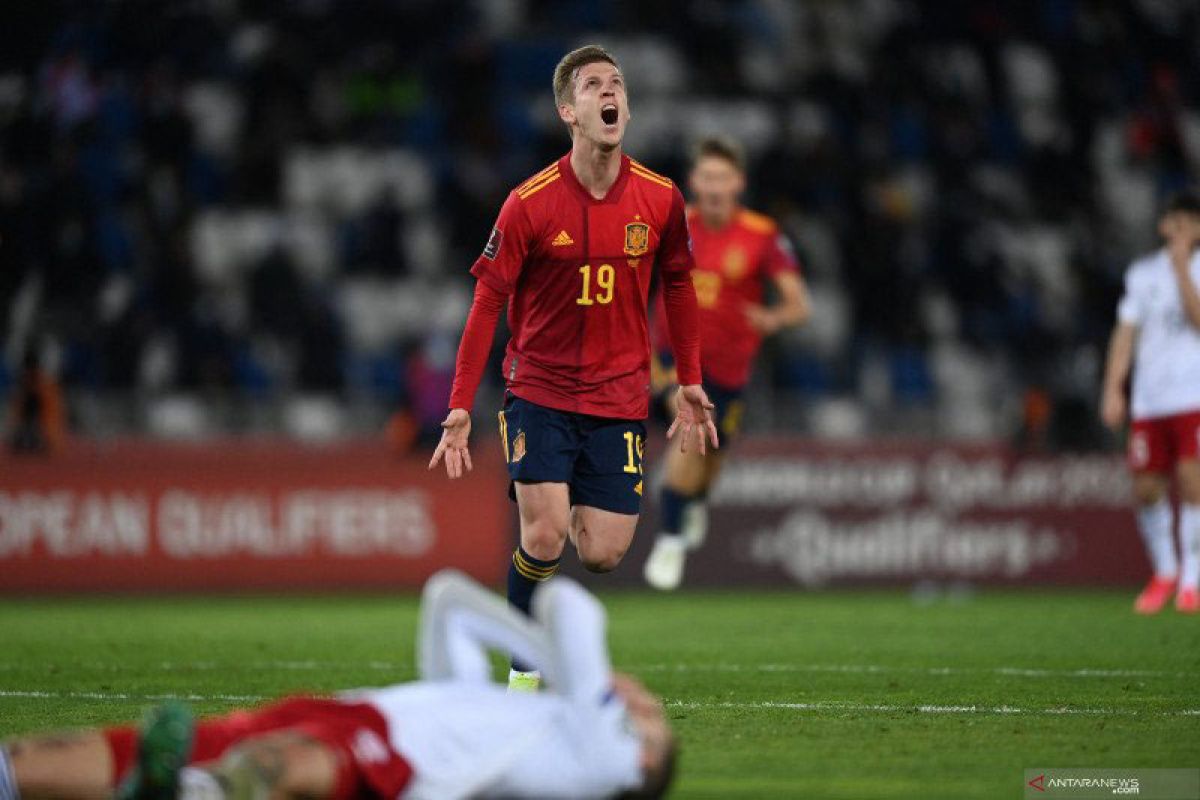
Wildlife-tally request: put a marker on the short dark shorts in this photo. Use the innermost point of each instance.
(600, 459)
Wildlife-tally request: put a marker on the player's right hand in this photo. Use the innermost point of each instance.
(453, 446)
(1112, 409)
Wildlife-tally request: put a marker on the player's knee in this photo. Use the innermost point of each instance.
(602, 564)
(1148, 491)
(1189, 482)
(601, 559)
(543, 541)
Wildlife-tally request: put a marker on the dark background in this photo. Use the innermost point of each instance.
(237, 218)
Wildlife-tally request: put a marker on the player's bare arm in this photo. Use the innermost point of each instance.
(791, 309)
(1113, 404)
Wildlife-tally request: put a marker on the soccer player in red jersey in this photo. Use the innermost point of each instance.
(572, 252)
(737, 251)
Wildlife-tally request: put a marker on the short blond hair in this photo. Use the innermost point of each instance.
(568, 68)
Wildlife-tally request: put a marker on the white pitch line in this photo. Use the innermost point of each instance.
(1021, 672)
(887, 708)
(390, 666)
(196, 698)
(818, 705)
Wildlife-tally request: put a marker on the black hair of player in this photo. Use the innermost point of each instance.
(1186, 201)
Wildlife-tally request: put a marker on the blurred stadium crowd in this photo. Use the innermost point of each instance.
(225, 217)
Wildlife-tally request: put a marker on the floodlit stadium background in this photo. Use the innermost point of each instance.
(237, 236)
(239, 218)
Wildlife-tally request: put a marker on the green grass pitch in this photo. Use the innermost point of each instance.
(774, 695)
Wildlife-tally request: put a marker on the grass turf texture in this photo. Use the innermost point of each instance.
(859, 664)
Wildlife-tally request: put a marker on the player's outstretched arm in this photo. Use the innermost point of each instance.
(468, 372)
(693, 416)
(453, 446)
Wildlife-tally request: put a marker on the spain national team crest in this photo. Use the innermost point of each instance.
(518, 447)
(735, 263)
(637, 238)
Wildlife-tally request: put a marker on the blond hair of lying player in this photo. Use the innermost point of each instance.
(452, 734)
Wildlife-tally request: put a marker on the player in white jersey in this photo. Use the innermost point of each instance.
(453, 734)
(1158, 335)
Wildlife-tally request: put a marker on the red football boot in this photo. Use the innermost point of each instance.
(1156, 594)
(1188, 601)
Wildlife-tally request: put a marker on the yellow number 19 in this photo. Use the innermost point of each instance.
(635, 447)
(605, 279)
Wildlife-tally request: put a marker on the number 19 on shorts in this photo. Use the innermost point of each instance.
(634, 448)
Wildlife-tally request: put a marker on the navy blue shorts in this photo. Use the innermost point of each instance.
(600, 459)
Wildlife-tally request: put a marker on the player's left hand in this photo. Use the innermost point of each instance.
(693, 413)
(453, 446)
(762, 319)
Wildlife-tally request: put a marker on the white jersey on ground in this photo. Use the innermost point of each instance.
(465, 736)
(471, 740)
(1166, 366)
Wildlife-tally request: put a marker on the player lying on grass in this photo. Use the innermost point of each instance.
(737, 251)
(452, 734)
(572, 254)
(1158, 335)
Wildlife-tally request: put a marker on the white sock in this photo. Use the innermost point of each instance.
(199, 784)
(1154, 522)
(8, 778)
(1189, 545)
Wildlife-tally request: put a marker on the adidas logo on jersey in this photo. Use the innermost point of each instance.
(563, 239)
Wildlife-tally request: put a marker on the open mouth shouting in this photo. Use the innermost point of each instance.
(609, 114)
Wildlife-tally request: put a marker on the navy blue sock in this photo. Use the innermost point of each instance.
(673, 504)
(524, 574)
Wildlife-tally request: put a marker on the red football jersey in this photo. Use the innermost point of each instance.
(578, 270)
(732, 265)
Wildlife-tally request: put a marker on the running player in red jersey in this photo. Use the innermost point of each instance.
(573, 252)
(737, 252)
